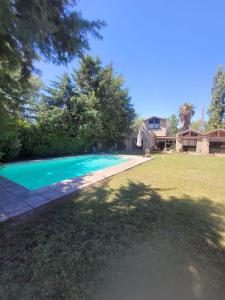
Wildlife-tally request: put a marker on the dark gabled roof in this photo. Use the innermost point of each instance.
(215, 130)
(155, 117)
(188, 130)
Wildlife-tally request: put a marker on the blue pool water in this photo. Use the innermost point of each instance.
(37, 174)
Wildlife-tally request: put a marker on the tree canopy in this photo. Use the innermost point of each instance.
(217, 107)
(174, 122)
(186, 112)
(91, 106)
(30, 30)
(197, 125)
(116, 113)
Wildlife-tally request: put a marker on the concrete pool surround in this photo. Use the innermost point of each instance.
(16, 200)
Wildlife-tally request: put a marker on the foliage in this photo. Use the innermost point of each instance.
(53, 145)
(116, 113)
(10, 145)
(28, 136)
(88, 75)
(217, 107)
(30, 30)
(137, 124)
(186, 111)
(71, 115)
(174, 121)
(208, 127)
(196, 125)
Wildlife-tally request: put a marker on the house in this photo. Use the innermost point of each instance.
(190, 141)
(216, 141)
(156, 135)
(205, 143)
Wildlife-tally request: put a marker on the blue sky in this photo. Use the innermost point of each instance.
(167, 50)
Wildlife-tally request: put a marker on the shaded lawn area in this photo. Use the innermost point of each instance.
(156, 231)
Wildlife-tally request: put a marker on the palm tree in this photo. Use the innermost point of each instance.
(186, 112)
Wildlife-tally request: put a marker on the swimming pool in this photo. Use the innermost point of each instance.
(37, 174)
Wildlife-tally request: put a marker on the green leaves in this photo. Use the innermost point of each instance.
(113, 103)
(30, 30)
(174, 121)
(75, 113)
(91, 104)
(186, 112)
(217, 107)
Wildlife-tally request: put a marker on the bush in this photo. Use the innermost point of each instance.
(10, 145)
(28, 134)
(52, 145)
(25, 140)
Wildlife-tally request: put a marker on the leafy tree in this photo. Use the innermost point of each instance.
(115, 111)
(217, 107)
(59, 98)
(88, 74)
(52, 119)
(71, 116)
(208, 127)
(60, 92)
(29, 30)
(186, 112)
(196, 125)
(86, 119)
(31, 98)
(73, 111)
(174, 122)
(65, 111)
(137, 124)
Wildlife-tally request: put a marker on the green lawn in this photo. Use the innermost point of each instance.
(156, 231)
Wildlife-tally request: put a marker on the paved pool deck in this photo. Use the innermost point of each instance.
(16, 200)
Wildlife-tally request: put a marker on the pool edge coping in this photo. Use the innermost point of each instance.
(23, 200)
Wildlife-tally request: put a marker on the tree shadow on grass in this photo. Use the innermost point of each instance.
(126, 243)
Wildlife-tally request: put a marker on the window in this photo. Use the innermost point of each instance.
(154, 124)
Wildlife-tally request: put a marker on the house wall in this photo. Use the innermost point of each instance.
(129, 143)
(163, 127)
(205, 146)
(199, 146)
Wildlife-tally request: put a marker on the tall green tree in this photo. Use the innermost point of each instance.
(32, 97)
(58, 105)
(197, 125)
(217, 107)
(174, 122)
(113, 103)
(29, 30)
(67, 111)
(138, 123)
(88, 74)
(117, 112)
(60, 92)
(186, 112)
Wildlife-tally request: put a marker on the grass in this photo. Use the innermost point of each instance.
(155, 230)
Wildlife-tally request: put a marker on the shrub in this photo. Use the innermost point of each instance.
(52, 145)
(28, 134)
(9, 145)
